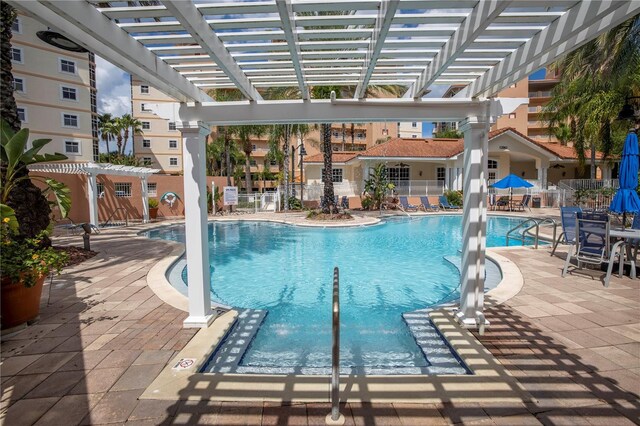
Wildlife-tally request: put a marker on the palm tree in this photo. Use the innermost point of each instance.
(119, 125)
(244, 134)
(8, 110)
(128, 123)
(595, 81)
(226, 132)
(108, 130)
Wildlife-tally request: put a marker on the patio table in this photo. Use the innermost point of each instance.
(625, 237)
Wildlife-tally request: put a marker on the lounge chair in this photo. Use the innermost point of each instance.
(592, 245)
(444, 203)
(526, 199)
(344, 203)
(503, 202)
(568, 222)
(404, 204)
(427, 206)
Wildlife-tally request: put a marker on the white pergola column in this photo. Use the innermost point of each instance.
(145, 200)
(92, 191)
(447, 178)
(195, 217)
(474, 223)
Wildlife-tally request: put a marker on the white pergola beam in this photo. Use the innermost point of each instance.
(326, 111)
(478, 20)
(386, 13)
(285, 10)
(577, 26)
(82, 23)
(193, 22)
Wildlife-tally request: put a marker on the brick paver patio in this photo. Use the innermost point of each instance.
(103, 337)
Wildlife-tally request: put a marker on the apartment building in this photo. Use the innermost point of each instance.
(410, 130)
(55, 91)
(160, 143)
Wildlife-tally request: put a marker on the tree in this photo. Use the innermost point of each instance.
(449, 134)
(244, 134)
(127, 123)
(108, 130)
(595, 81)
(226, 132)
(8, 110)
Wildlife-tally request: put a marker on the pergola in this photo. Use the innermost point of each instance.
(92, 170)
(184, 48)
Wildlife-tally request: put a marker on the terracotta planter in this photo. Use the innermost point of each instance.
(153, 212)
(20, 304)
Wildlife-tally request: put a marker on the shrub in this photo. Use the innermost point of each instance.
(153, 203)
(454, 197)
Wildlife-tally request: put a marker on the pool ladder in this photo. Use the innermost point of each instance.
(527, 226)
(334, 417)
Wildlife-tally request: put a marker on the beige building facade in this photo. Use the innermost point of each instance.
(55, 92)
(410, 130)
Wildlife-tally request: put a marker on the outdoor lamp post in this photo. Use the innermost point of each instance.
(303, 152)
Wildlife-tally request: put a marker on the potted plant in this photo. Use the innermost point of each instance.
(25, 259)
(153, 208)
(25, 265)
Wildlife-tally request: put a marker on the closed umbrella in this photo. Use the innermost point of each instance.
(511, 181)
(626, 199)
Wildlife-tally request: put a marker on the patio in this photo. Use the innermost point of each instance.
(104, 336)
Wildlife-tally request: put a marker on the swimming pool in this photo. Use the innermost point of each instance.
(385, 270)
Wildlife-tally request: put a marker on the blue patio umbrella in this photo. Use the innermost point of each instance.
(626, 199)
(511, 181)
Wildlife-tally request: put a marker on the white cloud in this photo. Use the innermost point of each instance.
(114, 89)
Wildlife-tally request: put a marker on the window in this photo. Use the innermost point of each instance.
(16, 55)
(399, 176)
(414, 124)
(336, 134)
(146, 161)
(146, 143)
(173, 161)
(360, 135)
(100, 189)
(253, 147)
(69, 120)
(273, 163)
(16, 27)
(441, 173)
(142, 107)
(18, 84)
(252, 163)
(173, 144)
(414, 136)
(152, 187)
(67, 66)
(22, 114)
(72, 147)
(492, 176)
(144, 89)
(123, 189)
(172, 125)
(146, 125)
(512, 115)
(336, 175)
(492, 164)
(68, 93)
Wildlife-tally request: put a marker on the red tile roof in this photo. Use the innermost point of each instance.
(440, 148)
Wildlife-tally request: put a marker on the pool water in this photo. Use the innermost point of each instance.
(385, 271)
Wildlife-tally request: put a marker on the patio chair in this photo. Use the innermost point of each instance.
(344, 203)
(568, 222)
(492, 201)
(444, 203)
(404, 204)
(526, 199)
(592, 245)
(427, 206)
(503, 202)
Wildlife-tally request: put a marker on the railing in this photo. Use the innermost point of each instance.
(576, 184)
(419, 187)
(313, 191)
(588, 193)
(532, 223)
(335, 415)
(113, 213)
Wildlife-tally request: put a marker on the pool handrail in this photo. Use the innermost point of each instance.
(335, 415)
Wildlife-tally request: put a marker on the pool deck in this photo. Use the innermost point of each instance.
(104, 336)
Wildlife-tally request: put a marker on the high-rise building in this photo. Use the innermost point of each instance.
(55, 91)
(410, 130)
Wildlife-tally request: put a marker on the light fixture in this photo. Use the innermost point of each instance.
(628, 112)
(61, 42)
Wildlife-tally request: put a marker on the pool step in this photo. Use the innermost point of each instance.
(439, 355)
(493, 276)
(228, 356)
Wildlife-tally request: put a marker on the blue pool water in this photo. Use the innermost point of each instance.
(385, 271)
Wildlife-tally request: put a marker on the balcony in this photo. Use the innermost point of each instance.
(540, 94)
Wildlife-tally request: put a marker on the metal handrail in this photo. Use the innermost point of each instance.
(126, 217)
(334, 417)
(536, 224)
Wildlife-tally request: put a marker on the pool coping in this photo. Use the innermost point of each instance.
(489, 382)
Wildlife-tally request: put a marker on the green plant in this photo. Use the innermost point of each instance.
(15, 158)
(367, 202)
(454, 197)
(25, 260)
(153, 203)
(294, 203)
(376, 186)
